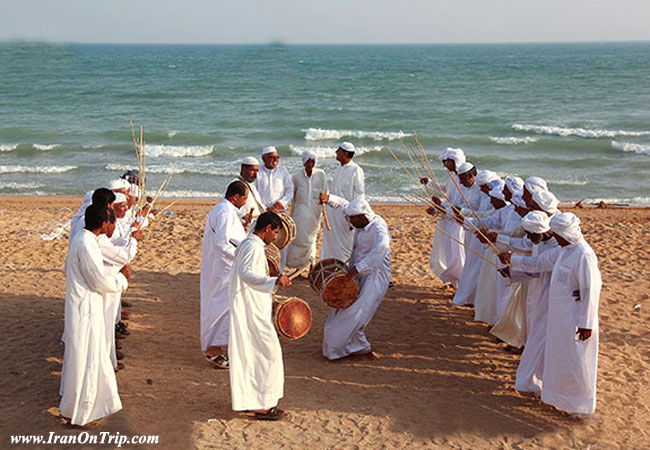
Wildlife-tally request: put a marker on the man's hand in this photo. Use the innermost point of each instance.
(283, 281)
(436, 200)
(323, 198)
(583, 334)
(424, 180)
(137, 225)
(149, 199)
(277, 208)
(576, 294)
(492, 236)
(505, 272)
(126, 271)
(248, 217)
(138, 235)
(431, 210)
(481, 235)
(459, 218)
(505, 258)
(351, 273)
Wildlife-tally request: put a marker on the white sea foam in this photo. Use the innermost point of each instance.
(319, 134)
(514, 140)
(330, 152)
(46, 147)
(581, 132)
(568, 182)
(171, 134)
(20, 186)
(156, 151)
(639, 149)
(632, 201)
(8, 147)
(58, 232)
(36, 169)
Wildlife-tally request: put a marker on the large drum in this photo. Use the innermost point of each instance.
(273, 258)
(291, 317)
(287, 231)
(328, 279)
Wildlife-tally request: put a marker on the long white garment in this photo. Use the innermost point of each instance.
(223, 232)
(274, 185)
(472, 268)
(348, 183)
(253, 201)
(306, 213)
(75, 226)
(88, 384)
(570, 365)
(447, 255)
(344, 332)
(256, 368)
(116, 253)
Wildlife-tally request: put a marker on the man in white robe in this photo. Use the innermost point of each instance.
(571, 352)
(306, 212)
(117, 185)
(532, 185)
(256, 368)
(88, 384)
(254, 206)
(344, 333)
(222, 234)
(348, 183)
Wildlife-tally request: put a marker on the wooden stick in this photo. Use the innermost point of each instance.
(174, 202)
(325, 218)
(298, 271)
(468, 248)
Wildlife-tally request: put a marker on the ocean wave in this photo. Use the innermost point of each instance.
(632, 201)
(20, 186)
(568, 182)
(581, 132)
(319, 134)
(330, 152)
(157, 151)
(639, 149)
(171, 134)
(513, 140)
(46, 147)
(8, 147)
(177, 169)
(36, 169)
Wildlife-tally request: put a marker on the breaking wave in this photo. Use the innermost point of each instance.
(157, 151)
(639, 149)
(46, 147)
(20, 186)
(581, 132)
(319, 134)
(36, 169)
(330, 152)
(8, 147)
(513, 140)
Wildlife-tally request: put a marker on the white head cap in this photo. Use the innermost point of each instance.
(347, 146)
(535, 184)
(518, 199)
(120, 198)
(359, 206)
(514, 183)
(536, 222)
(567, 225)
(250, 161)
(464, 168)
(307, 155)
(496, 190)
(485, 176)
(547, 201)
(118, 183)
(267, 150)
(457, 154)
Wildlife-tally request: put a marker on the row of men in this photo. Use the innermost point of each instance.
(236, 289)
(505, 244)
(103, 240)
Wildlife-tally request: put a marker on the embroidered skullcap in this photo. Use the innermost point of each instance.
(567, 225)
(347, 146)
(267, 150)
(485, 176)
(464, 168)
(536, 222)
(120, 198)
(250, 161)
(547, 201)
(118, 183)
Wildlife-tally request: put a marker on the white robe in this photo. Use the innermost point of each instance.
(256, 368)
(306, 213)
(116, 253)
(88, 384)
(348, 183)
(223, 231)
(253, 201)
(447, 255)
(570, 365)
(75, 225)
(344, 332)
(274, 185)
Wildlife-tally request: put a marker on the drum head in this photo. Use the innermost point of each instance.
(322, 270)
(293, 318)
(340, 291)
(273, 259)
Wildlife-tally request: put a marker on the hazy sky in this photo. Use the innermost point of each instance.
(332, 21)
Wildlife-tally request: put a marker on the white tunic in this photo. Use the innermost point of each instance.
(274, 185)
(570, 365)
(253, 201)
(88, 384)
(344, 332)
(348, 183)
(306, 213)
(256, 368)
(223, 231)
(75, 225)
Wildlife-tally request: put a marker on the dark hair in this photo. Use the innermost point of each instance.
(236, 187)
(132, 176)
(111, 215)
(350, 154)
(95, 216)
(473, 171)
(103, 196)
(268, 218)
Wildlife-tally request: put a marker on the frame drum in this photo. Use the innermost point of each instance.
(291, 317)
(328, 279)
(287, 231)
(273, 258)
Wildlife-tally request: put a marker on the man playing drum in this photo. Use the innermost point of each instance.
(370, 263)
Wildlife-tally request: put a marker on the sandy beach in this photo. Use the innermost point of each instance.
(441, 380)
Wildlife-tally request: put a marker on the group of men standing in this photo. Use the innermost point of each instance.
(237, 291)
(526, 269)
(103, 240)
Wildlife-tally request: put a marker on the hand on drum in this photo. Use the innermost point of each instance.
(352, 273)
(283, 281)
(324, 198)
(504, 258)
